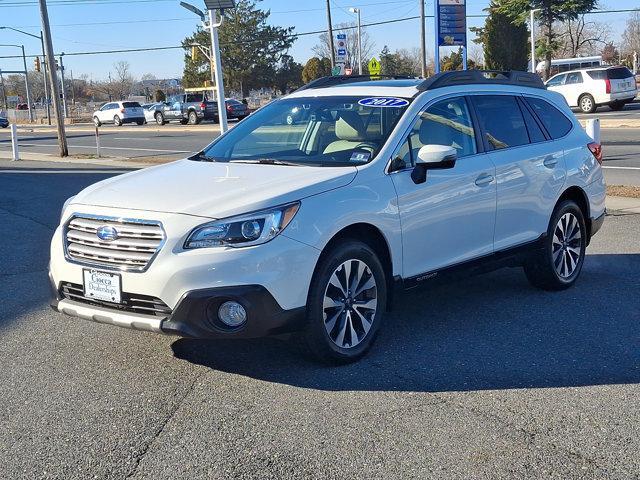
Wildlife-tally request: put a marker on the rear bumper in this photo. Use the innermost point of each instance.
(133, 119)
(195, 316)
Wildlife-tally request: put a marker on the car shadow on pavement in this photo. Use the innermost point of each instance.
(487, 332)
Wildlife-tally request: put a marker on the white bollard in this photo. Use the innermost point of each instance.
(593, 129)
(14, 142)
(97, 143)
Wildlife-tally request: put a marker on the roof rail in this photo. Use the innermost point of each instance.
(334, 80)
(483, 77)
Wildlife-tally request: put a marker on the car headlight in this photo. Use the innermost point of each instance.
(245, 230)
(65, 205)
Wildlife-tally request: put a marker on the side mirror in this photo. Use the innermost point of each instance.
(433, 157)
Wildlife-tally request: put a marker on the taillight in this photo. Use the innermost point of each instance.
(596, 150)
(203, 106)
(122, 110)
(607, 83)
(229, 108)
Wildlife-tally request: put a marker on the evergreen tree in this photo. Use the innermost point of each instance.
(504, 42)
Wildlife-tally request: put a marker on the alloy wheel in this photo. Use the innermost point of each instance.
(350, 303)
(567, 245)
(587, 104)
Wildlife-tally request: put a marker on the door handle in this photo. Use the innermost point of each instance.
(484, 180)
(550, 161)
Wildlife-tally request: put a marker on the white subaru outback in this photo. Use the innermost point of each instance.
(309, 214)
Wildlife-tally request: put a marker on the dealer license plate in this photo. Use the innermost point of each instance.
(103, 286)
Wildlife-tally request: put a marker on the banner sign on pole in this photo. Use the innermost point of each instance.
(452, 23)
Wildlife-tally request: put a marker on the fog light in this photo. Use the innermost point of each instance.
(232, 314)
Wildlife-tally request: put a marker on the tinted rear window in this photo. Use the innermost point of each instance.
(130, 104)
(194, 97)
(556, 123)
(502, 119)
(233, 101)
(618, 73)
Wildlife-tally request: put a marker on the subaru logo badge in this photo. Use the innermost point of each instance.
(107, 233)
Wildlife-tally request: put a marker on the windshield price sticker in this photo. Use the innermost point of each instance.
(384, 102)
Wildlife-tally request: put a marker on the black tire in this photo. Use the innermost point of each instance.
(545, 269)
(97, 122)
(323, 323)
(140, 122)
(117, 121)
(587, 104)
(184, 121)
(159, 118)
(617, 106)
(193, 118)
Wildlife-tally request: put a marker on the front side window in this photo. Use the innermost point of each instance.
(331, 131)
(556, 81)
(447, 122)
(502, 120)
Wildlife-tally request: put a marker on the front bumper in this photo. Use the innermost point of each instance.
(195, 316)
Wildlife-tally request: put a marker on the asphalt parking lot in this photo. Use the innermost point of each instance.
(486, 378)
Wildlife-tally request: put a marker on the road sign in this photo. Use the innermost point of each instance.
(374, 66)
(348, 71)
(341, 48)
(337, 70)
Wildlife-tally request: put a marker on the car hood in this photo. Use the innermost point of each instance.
(213, 190)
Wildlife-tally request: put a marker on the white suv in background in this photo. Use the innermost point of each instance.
(119, 113)
(590, 88)
(312, 225)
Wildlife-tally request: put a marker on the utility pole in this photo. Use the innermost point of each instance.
(423, 41)
(331, 46)
(4, 93)
(64, 90)
(50, 62)
(44, 73)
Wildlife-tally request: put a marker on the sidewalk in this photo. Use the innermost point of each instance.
(81, 160)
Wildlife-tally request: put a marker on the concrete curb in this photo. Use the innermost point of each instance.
(104, 162)
(622, 205)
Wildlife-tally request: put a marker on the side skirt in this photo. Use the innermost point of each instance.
(511, 257)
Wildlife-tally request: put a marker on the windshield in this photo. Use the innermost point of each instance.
(331, 131)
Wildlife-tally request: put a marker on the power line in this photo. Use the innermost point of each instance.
(295, 35)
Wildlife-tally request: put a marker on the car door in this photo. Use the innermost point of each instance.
(449, 218)
(573, 87)
(102, 112)
(530, 169)
(556, 84)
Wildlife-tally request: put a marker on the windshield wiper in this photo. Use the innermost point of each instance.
(268, 161)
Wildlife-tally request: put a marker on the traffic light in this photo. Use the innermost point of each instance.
(36, 64)
(194, 53)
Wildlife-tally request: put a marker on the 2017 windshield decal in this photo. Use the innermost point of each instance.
(384, 102)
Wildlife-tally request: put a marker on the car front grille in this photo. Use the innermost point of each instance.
(135, 245)
(131, 302)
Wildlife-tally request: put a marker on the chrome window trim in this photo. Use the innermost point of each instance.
(115, 268)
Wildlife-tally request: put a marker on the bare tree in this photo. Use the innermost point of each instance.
(323, 50)
(123, 81)
(631, 35)
(580, 37)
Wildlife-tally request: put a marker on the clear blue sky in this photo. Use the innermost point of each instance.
(75, 29)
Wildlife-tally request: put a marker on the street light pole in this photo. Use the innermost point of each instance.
(423, 41)
(26, 78)
(26, 84)
(533, 39)
(50, 61)
(217, 64)
(64, 90)
(357, 12)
